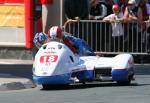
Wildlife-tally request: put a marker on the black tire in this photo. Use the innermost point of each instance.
(124, 83)
(55, 87)
(45, 86)
(128, 82)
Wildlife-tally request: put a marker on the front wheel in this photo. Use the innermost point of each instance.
(45, 86)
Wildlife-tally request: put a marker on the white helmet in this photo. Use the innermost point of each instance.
(55, 33)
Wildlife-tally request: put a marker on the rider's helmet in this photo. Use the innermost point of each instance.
(115, 8)
(40, 39)
(55, 33)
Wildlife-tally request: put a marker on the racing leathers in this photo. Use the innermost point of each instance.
(77, 45)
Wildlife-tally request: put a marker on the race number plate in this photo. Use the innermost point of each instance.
(48, 58)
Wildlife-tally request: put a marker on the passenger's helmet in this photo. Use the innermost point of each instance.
(55, 33)
(40, 39)
(115, 8)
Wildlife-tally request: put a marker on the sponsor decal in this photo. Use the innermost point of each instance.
(49, 52)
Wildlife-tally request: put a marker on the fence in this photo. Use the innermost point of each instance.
(98, 35)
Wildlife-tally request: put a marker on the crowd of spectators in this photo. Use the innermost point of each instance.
(129, 11)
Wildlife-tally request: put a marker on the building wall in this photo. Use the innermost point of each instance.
(12, 39)
(51, 15)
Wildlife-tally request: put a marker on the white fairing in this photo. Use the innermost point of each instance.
(121, 61)
(54, 58)
(55, 61)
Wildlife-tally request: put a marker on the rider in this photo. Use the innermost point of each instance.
(77, 45)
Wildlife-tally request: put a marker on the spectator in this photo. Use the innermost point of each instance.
(148, 8)
(131, 11)
(142, 5)
(98, 9)
(115, 18)
(134, 12)
(76, 9)
(123, 4)
(109, 4)
(143, 27)
(148, 26)
(105, 34)
(143, 16)
(131, 15)
(117, 30)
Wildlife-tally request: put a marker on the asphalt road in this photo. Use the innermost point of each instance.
(109, 92)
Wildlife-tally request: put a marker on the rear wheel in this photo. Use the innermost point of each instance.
(128, 82)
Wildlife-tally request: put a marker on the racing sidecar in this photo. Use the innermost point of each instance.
(56, 64)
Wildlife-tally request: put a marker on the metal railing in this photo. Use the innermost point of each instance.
(98, 35)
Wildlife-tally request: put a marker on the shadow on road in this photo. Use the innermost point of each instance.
(85, 86)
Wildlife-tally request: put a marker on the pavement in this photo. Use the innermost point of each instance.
(11, 82)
